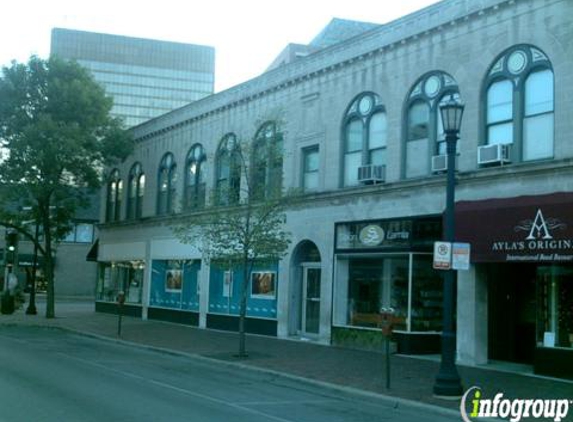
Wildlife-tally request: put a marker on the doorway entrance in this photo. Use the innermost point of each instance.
(305, 291)
(310, 322)
(512, 312)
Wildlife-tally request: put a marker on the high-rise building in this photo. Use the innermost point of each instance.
(145, 77)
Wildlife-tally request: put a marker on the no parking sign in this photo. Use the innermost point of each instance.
(451, 256)
(442, 255)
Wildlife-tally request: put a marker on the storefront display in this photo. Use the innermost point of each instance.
(174, 284)
(524, 246)
(555, 311)
(387, 265)
(225, 291)
(126, 276)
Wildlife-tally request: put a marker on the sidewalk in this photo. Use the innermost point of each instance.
(411, 378)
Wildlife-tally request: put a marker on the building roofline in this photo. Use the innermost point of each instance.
(428, 20)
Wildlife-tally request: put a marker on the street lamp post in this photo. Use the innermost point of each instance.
(32, 303)
(448, 382)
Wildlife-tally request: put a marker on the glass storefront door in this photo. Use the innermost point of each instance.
(511, 312)
(311, 300)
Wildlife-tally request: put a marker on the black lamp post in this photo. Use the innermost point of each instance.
(32, 303)
(448, 382)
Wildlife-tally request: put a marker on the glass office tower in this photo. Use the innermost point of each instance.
(145, 77)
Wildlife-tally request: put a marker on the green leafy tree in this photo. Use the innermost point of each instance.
(56, 136)
(241, 227)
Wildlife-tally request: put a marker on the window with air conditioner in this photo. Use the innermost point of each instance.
(365, 140)
(519, 107)
(425, 143)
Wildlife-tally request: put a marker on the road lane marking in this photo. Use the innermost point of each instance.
(285, 402)
(177, 389)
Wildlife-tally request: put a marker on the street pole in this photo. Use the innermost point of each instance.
(448, 382)
(120, 302)
(31, 310)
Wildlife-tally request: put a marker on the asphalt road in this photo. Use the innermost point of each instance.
(48, 375)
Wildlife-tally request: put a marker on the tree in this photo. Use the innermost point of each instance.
(57, 135)
(241, 226)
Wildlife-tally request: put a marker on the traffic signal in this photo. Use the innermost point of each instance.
(11, 246)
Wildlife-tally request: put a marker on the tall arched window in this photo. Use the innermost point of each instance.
(228, 163)
(267, 162)
(424, 133)
(195, 169)
(166, 183)
(136, 189)
(364, 137)
(114, 194)
(519, 103)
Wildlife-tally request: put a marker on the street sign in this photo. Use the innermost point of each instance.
(442, 255)
(461, 256)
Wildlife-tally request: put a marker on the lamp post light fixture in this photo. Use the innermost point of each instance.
(448, 383)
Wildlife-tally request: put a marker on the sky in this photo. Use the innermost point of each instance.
(247, 34)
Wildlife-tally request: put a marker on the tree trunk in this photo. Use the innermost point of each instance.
(243, 310)
(48, 262)
(49, 274)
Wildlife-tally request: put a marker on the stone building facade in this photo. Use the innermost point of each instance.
(361, 130)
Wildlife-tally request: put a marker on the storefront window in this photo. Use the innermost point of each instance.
(555, 315)
(226, 289)
(174, 284)
(366, 285)
(426, 295)
(126, 276)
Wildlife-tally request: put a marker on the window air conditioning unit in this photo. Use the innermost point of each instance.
(494, 154)
(371, 174)
(439, 163)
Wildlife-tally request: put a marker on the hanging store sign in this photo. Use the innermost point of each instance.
(523, 229)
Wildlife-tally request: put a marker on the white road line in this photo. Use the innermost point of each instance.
(177, 389)
(286, 402)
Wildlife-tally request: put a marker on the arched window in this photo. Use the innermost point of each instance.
(519, 103)
(364, 137)
(114, 194)
(195, 169)
(228, 161)
(267, 162)
(424, 132)
(167, 180)
(135, 191)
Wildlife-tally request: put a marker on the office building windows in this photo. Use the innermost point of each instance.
(519, 103)
(228, 183)
(114, 194)
(195, 171)
(136, 189)
(424, 132)
(310, 168)
(364, 136)
(267, 162)
(167, 178)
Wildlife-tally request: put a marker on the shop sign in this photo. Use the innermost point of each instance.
(539, 241)
(399, 234)
(373, 235)
(442, 255)
(541, 232)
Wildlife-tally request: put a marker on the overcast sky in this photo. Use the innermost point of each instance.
(247, 34)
